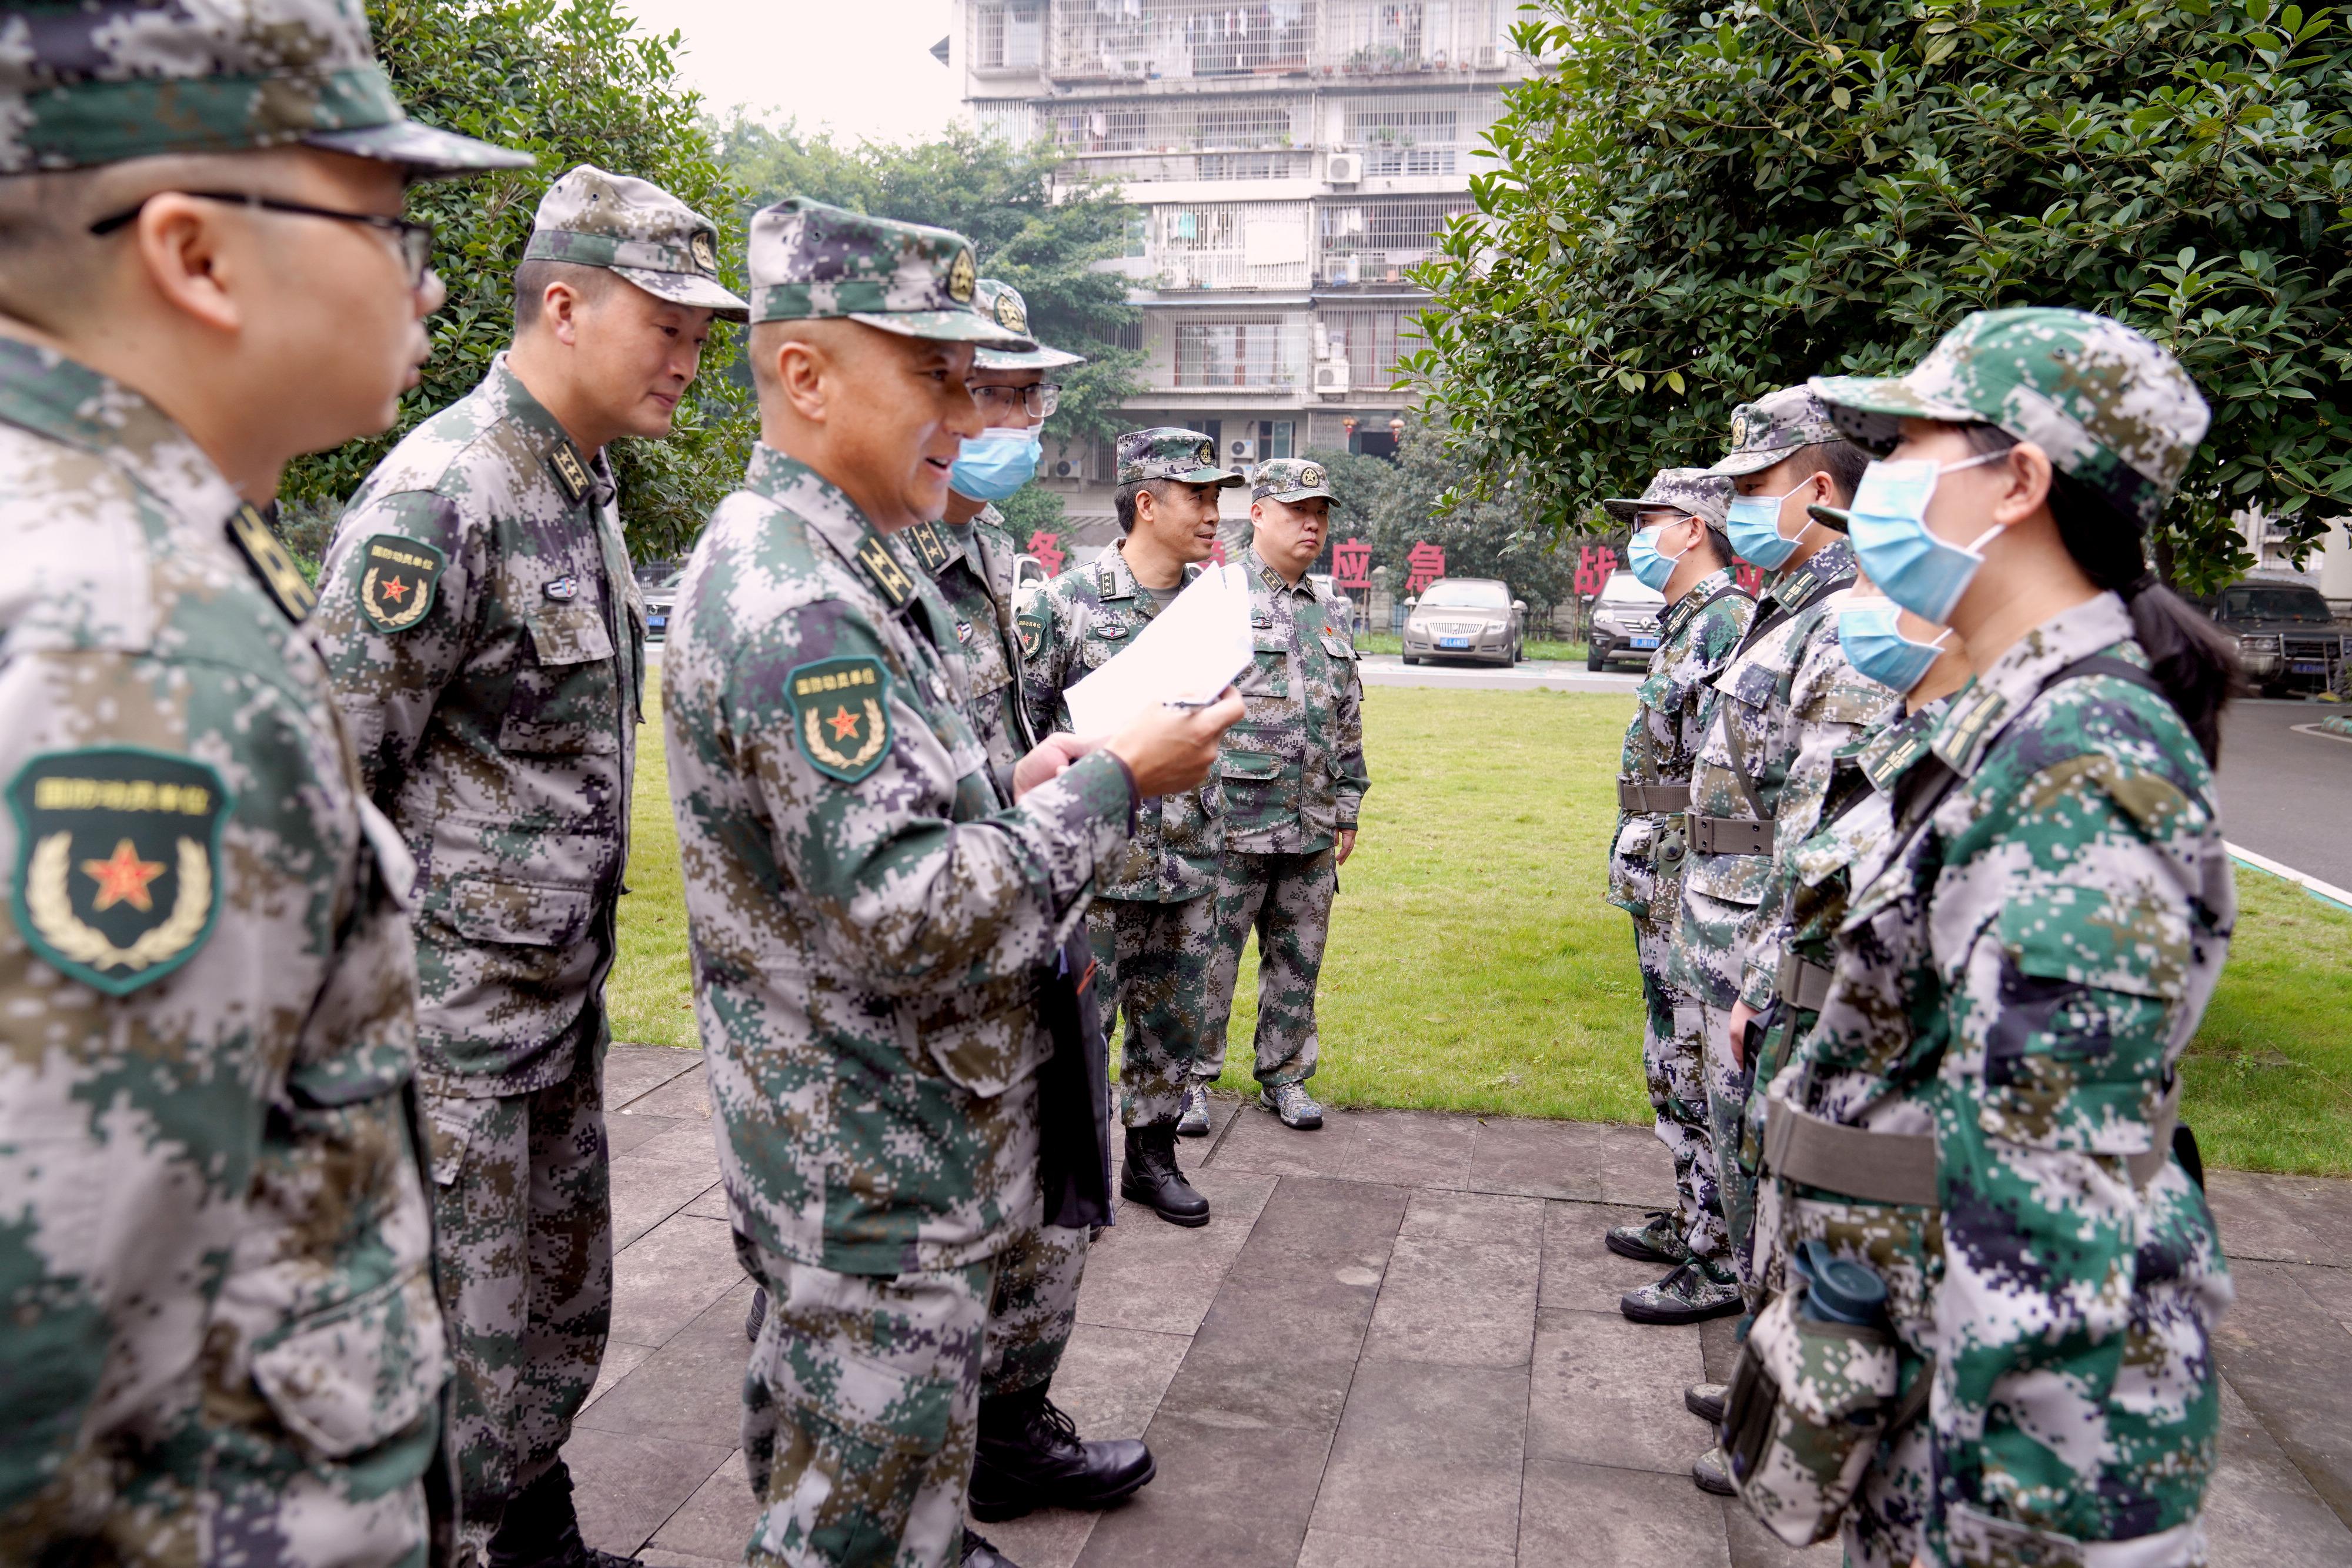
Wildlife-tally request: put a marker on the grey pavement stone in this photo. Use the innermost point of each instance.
(2260, 1511)
(1479, 1217)
(1580, 1272)
(685, 1096)
(1467, 1303)
(691, 1389)
(1332, 1549)
(623, 1132)
(1050, 1538)
(1753, 1546)
(1608, 1391)
(1597, 1161)
(2292, 1362)
(660, 1176)
(715, 1524)
(632, 1072)
(1111, 1380)
(626, 1483)
(1145, 1273)
(2299, 1219)
(621, 1358)
(1429, 1456)
(669, 1276)
(1628, 1519)
(710, 1205)
(1226, 1498)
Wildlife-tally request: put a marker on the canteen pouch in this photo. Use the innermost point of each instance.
(1802, 1415)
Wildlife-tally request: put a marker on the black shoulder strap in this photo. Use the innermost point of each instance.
(1782, 612)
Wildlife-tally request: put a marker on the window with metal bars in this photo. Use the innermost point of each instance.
(1008, 35)
(1257, 352)
(1362, 242)
(1179, 39)
(1371, 340)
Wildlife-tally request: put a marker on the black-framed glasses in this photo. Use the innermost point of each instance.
(414, 240)
(1040, 400)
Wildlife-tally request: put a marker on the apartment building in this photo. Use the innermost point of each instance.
(1291, 158)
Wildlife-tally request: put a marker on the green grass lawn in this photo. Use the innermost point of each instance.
(1475, 967)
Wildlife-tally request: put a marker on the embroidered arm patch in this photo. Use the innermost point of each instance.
(397, 577)
(118, 861)
(841, 716)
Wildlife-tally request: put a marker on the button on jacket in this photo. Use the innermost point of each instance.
(487, 640)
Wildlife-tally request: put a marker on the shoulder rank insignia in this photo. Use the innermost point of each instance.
(570, 471)
(397, 575)
(883, 571)
(841, 716)
(263, 551)
(930, 548)
(118, 861)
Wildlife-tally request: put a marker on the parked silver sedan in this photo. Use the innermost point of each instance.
(1466, 618)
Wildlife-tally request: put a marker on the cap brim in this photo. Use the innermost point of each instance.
(424, 151)
(1306, 495)
(1039, 359)
(947, 327)
(1625, 510)
(688, 288)
(1835, 518)
(1224, 478)
(1732, 466)
(1870, 409)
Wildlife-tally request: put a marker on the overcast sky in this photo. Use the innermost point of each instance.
(862, 66)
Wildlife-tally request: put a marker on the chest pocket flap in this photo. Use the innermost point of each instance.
(569, 633)
(1337, 646)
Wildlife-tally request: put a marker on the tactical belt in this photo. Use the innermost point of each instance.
(1730, 836)
(1802, 985)
(1900, 1167)
(1666, 797)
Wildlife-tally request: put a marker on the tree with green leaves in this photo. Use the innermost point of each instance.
(1029, 227)
(578, 82)
(1700, 202)
(1429, 493)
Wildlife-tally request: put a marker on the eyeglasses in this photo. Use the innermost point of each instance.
(414, 240)
(1040, 401)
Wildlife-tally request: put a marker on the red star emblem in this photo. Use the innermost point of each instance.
(122, 878)
(844, 722)
(394, 589)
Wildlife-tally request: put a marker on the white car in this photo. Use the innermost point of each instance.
(1624, 622)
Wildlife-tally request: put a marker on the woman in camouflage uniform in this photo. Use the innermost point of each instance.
(2051, 919)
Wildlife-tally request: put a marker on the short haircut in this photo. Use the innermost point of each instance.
(532, 277)
(1720, 543)
(1842, 461)
(1123, 500)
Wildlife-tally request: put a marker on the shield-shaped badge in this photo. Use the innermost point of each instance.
(397, 575)
(118, 861)
(961, 278)
(706, 255)
(841, 716)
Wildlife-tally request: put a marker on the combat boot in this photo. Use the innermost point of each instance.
(979, 1553)
(1658, 1240)
(1153, 1179)
(1705, 1400)
(540, 1529)
(1711, 1472)
(1693, 1293)
(1029, 1455)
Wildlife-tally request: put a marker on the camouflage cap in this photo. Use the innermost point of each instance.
(1766, 430)
(103, 80)
(810, 262)
(1187, 456)
(2111, 407)
(637, 229)
(1002, 303)
(1702, 492)
(1292, 479)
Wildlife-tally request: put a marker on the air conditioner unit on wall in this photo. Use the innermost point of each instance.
(1240, 451)
(1331, 378)
(1343, 168)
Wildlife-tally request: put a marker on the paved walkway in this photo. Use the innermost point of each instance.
(1396, 1344)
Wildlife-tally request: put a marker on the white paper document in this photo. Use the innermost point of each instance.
(1187, 654)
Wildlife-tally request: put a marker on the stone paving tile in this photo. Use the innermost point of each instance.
(1597, 1161)
(710, 1205)
(1627, 1518)
(660, 1176)
(2298, 1219)
(621, 1358)
(1609, 1391)
(715, 1524)
(691, 1389)
(1145, 1273)
(1483, 1217)
(1227, 1496)
(1331, 1549)
(1753, 1546)
(2292, 1361)
(1429, 1456)
(2260, 1511)
(624, 1132)
(1469, 1303)
(669, 1276)
(1580, 1272)
(633, 1071)
(627, 1483)
(685, 1096)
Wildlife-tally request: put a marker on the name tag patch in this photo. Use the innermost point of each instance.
(841, 716)
(397, 577)
(118, 861)
(563, 589)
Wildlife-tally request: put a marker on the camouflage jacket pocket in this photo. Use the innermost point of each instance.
(1805, 1405)
(569, 702)
(531, 914)
(361, 1373)
(986, 1037)
(1633, 871)
(1733, 879)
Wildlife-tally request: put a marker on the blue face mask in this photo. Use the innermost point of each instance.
(1889, 528)
(1650, 568)
(1875, 644)
(1754, 526)
(994, 464)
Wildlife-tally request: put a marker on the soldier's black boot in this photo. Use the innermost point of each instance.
(979, 1553)
(1153, 1179)
(541, 1530)
(1029, 1455)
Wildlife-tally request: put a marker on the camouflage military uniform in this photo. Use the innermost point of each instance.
(869, 924)
(219, 1336)
(1696, 636)
(1294, 779)
(1153, 921)
(485, 637)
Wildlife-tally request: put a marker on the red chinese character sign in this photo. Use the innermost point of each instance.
(1593, 565)
(1751, 578)
(1351, 564)
(1047, 549)
(1217, 551)
(1428, 564)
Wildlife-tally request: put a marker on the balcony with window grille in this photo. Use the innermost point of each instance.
(1142, 40)
(1229, 245)
(1375, 241)
(1389, 38)
(1371, 340)
(1166, 125)
(1259, 352)
(1418, 134)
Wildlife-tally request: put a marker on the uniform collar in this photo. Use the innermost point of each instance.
(1705, 591)
(546, 437)
(1979, 711)
(1819, 572)
(834, 517)
(67, 401)
(1890, 754)
(1255, 565)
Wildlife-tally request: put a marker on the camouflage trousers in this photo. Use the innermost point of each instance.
(1033, 1307)
(1673, 1062)
(861, 1411)
(1727, 1084)
(1287, 900)
(1154, 964)
(523, 1218)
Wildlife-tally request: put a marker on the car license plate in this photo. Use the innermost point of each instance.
(657, 622)
(2307, 668)
(1644, 642)
(1454, 642)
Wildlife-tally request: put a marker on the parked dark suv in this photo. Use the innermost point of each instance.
(2287, 638)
